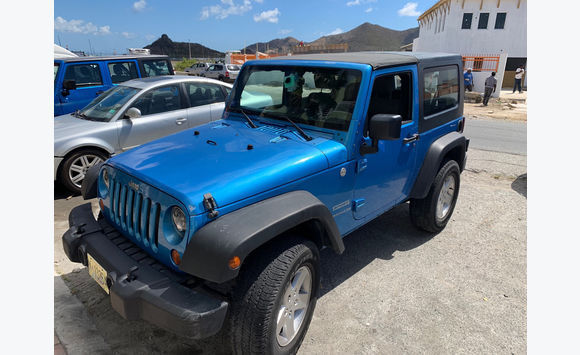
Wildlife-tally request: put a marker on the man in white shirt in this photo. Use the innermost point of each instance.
(518, 79)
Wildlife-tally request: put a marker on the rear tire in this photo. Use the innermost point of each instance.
(434, 211)
(275, 298)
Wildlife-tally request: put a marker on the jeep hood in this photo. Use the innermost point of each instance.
(227, 159)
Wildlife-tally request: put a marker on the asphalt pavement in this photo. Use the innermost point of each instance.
(497, 136)
(394, 290)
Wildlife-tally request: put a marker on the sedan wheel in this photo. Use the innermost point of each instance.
(76, 166)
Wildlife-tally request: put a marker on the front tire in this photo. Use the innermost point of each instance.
(275, 298)
(434, 211)
(75, 167)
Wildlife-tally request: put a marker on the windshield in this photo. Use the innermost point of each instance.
(321, 97)
(106, 105)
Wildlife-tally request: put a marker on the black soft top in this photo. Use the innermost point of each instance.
(378, 60)
(113, 57)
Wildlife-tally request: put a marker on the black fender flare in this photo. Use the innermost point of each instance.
(453, 142)
(240, 232)
(90, 182)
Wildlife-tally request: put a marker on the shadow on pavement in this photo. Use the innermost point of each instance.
(378, 239)
(520, 185)
(61, 193)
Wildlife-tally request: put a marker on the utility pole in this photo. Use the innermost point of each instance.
(189, 42)
(91, 48)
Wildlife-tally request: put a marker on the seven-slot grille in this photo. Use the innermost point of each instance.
(136, 214)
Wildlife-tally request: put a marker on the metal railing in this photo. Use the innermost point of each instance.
(479, 63)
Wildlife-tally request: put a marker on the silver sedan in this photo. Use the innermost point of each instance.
(128, 115)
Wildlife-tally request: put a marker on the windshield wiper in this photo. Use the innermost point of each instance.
(252, 124)
(300, 130)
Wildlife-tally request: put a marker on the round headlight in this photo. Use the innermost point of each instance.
(106, 177)
(179, 220)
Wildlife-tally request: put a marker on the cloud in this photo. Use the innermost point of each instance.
(359, 2)
(335, 32)
(284, 32)
(139, 6)
(227, 8)
(270, 16)
(259, 1)
(79, 26)
(410, 9)
(128, 35)
(150, 37)
(369, 10)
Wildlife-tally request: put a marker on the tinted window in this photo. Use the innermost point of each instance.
(56, 66)
(392, 94)
(483, 19)
(122, 71)
(466, 23)
(441, 90)
(500, 20)
(163, 99)
(84, 74)
(155, 67)
(203, 94)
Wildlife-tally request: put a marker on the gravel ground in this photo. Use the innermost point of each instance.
(394, 290)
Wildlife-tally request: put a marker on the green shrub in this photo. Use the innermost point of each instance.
(185, 63)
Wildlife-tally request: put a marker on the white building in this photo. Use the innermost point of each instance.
(495, 30)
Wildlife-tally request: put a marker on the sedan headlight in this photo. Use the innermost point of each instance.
(179, 220)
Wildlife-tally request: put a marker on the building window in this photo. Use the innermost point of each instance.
(483, 19)
(500, 20)
(477, 63)
(466, 24)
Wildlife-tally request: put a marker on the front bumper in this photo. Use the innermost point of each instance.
(152, 292)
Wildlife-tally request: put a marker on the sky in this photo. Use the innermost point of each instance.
(112, 26)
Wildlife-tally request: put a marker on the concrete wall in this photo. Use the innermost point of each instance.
(443, 32)
(479, 77)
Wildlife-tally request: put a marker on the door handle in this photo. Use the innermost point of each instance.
(414, 137)
(180, 121)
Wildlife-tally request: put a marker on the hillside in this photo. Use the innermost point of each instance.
(164, 45)
(366, 37)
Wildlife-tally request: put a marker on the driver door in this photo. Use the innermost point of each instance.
(163, 112)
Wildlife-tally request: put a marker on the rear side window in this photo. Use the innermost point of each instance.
(159, 100)
(122, 71)
(204, 94)
(233, 67)
(441, 89)
(155, 68)
(84, 74)
(56, 66)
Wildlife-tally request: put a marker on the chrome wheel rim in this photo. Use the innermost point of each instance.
(294, 306)
(445, 197)
(79, 167)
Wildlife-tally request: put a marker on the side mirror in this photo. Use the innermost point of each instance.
(382, 127)
(133, 112)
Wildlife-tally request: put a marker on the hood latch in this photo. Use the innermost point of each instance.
(210, 205)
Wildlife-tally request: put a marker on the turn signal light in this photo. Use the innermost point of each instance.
(175, 257)
(102, 205)
(234, 263)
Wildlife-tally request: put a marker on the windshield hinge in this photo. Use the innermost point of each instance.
(210, 205)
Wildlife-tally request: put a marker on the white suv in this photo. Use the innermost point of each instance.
(197, 68)
(223, 72)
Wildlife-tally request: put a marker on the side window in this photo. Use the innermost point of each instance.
(84, 74)
(483, 19)
(466, 23)
(392, 94)
(204, 94)
(122, 71)
(500, 20)
(158, 100)
(441, 89)
(155, 68)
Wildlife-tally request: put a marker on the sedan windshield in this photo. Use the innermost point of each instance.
(105, 106)
(321, 97)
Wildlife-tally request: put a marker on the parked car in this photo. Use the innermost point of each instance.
(130, 114)
(223, 72)
(197, 68)
(78, 80)
(221, 228)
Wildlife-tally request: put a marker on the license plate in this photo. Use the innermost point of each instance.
(98, 273)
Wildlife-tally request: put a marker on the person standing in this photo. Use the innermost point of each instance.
(518, 79)
(490, 85)
(468, 80)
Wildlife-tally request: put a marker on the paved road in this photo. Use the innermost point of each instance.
(497, 136)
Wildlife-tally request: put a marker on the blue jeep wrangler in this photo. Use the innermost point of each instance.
(218, 228)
